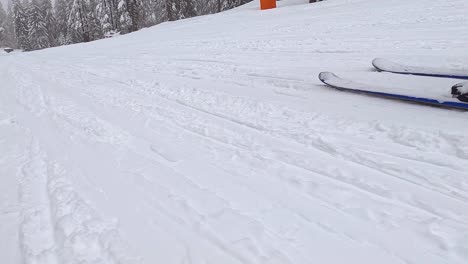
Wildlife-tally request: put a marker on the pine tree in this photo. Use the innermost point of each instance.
(148, 11)
(3, 14)
(62, 13)
(66, 34)
(214, 6)
(9, 37)
(3, 18)
(177, 9)
(130, 15)
(38, 25)
(37, 30)
(49, 20)
(187, 9)
(124, 16)
(106, 13)
(135, 12)
(95, 28)
(78, 22)
(229, 4)
(21, 25)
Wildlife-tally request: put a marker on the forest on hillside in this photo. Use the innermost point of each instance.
(38, 24)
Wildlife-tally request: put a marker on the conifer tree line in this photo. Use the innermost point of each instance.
(38, 24)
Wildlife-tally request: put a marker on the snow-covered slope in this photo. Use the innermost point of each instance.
(211, 140)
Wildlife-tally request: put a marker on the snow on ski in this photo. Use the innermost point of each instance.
(393, 67)
(335, 81)
(460, 91)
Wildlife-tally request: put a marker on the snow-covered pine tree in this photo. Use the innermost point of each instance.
(78, 22)
(95, 28)
(178, 9)
(3, 18)
(112, 6)
(130, 15)
(37, 30)
(21, 25)
(49, 20)
(228, 4)
(71, 21)
(187, 9)
(9, 28)
(136, 13)
(162, 10)
(124, 16)
(3, 14)
(106, 12)
(62, 13)
(214, 6)
(149, 11)
(83, 22)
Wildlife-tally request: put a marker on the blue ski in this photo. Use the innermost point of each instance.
(334, 81)
(389, 66)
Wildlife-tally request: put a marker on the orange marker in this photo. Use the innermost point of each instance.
(267, 4)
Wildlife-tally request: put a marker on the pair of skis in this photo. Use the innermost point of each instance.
(439, 97)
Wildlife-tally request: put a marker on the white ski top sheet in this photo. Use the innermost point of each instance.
(408, 85)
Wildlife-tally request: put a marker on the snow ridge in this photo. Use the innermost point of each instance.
(57, 225)
(37, 233)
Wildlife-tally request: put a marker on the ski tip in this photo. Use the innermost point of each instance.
(378, 62)
(324, 76)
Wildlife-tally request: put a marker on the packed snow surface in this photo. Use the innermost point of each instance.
(211, 140)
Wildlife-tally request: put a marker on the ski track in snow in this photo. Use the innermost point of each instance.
(56, 225)
(229, 150)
